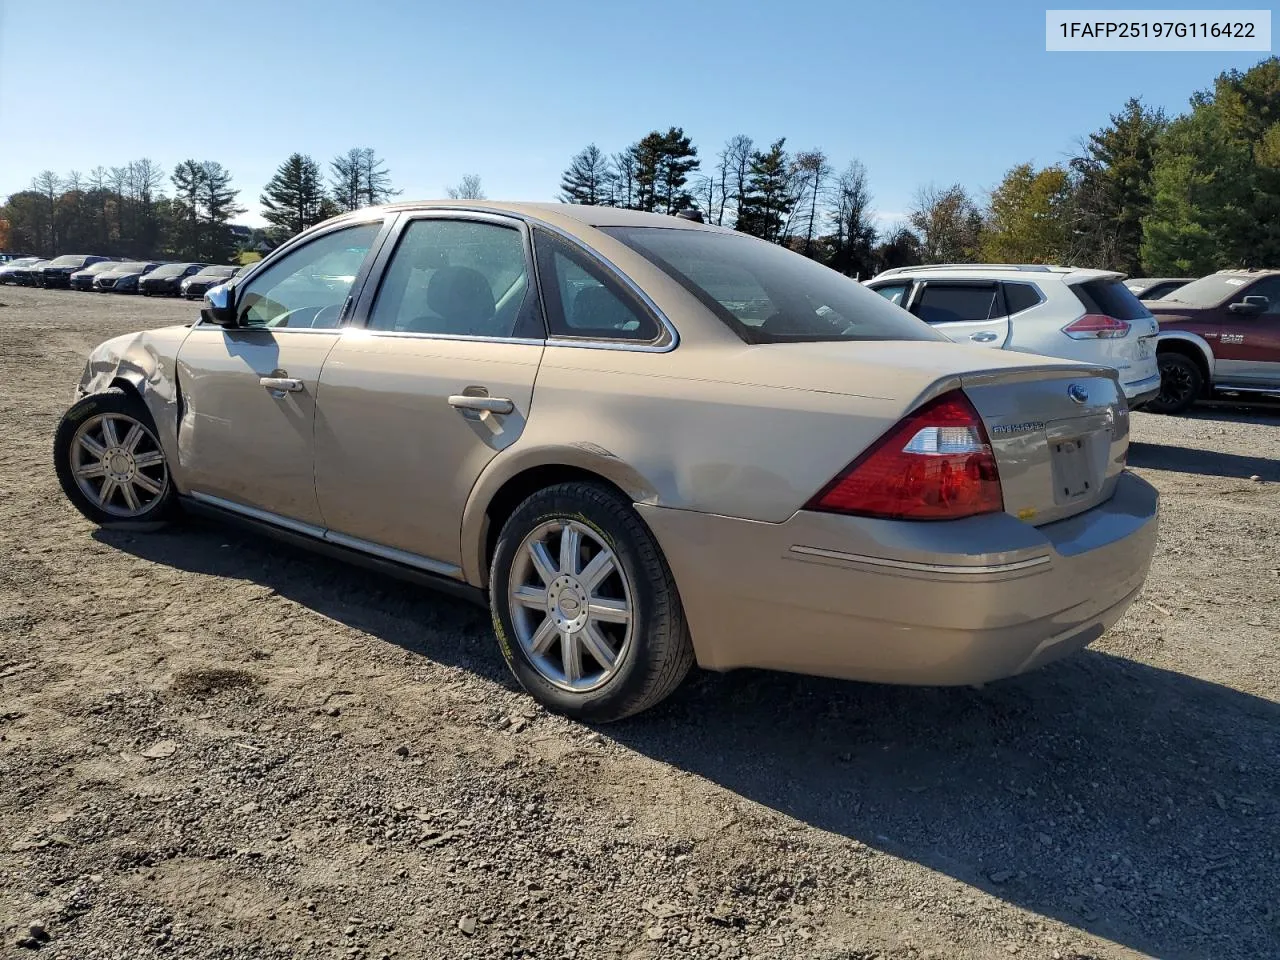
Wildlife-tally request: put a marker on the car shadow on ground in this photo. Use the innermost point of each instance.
(1114, 796)
(1161, 456)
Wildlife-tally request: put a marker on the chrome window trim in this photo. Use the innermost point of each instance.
(203, 325)
(358, 332)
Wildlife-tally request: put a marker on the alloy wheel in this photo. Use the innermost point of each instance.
(1176, 385)
(118, 464)
(571, 605)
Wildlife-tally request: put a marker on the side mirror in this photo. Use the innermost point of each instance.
(1250, 305)
(219, 306)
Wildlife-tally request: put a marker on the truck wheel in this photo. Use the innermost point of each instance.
(1181, 384)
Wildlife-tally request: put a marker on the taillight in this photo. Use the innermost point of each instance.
(1096, 326)
(935, 464)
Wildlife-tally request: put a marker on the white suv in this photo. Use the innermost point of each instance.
(1056, 311)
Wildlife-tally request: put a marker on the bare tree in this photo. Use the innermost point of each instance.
(854, 227)
(468, 188)
(948, 223)
(49, 186)
(733, 171)
(812, 171)
(624, 165)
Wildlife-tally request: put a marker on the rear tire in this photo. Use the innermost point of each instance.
(110, 463)
(1181, 384)
(609, 597)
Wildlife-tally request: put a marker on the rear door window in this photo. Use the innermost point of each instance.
(958, 302)
(1110, 298)
(894, 292)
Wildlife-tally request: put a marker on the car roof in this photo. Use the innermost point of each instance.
(590, 216)
(1249, 272)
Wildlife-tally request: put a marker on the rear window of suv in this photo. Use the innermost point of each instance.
(766, 294)
(1110, 297)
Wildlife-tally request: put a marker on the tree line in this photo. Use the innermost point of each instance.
(1145, 193)
(134, 210)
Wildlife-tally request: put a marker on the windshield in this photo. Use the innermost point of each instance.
(22, 262)
(170, 270)
(1208, 291)
(102, 266)
(68, 261)
(766, 294)
(130, 267)
(216, 272)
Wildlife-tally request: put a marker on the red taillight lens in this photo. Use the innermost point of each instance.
(1096, 326)
(935, 464)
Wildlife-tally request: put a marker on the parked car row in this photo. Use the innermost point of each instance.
(116, 275)
(1173, 340)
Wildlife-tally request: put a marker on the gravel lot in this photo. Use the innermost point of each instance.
(215, 746)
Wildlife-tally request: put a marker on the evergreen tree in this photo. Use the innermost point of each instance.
(1113, 190)
(294, 199)
(184, 229)
(347, 180)
(1029, 218)
(767, 202)
(218, 205)
(589, 179)
(1216, 179)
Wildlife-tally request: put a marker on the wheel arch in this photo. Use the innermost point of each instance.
(508, 481)
(1190, 345)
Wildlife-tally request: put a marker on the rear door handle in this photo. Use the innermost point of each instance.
(279, 386)
(484, 404)
(985, 337)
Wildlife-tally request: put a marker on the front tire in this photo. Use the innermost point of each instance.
(584, 605)
(110, 463)
(1181, 384)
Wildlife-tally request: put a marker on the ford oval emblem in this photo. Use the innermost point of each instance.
(1078, 393)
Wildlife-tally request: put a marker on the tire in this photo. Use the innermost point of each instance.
(652, 652)
(150, 498)
(1181, 384)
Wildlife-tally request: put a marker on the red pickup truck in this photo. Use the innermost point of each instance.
(1218, 334)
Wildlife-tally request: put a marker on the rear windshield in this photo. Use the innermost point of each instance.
(69, 261)
(1209, 291)
(1110, 297)
(766, 294)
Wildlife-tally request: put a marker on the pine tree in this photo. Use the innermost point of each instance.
(767, 203)
(347, 180)
(294, 198)
(589, 179)
(218, 205)
(184, 240)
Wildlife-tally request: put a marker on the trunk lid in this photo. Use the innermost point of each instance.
(1060, 437)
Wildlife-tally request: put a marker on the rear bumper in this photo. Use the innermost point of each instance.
(960, 602)
(1139, 392)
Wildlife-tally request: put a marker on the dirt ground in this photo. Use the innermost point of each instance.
(212, 745)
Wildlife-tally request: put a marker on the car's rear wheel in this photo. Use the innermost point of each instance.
(110, 462)
(1181, 384)
(584, 604)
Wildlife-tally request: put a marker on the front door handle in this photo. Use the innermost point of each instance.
(484, 404)
(985, 337)
(279, 386)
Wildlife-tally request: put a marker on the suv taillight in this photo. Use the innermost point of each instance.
(1096, 326)
(935, 464)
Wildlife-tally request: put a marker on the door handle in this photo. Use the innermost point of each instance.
(484, 404)
(985, 337)
(279, 386)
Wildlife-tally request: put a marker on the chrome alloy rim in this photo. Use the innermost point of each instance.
(118, 464)
(571, 605)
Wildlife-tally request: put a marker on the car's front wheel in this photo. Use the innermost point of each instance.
(584, 604)
(1180, 384)
(110, 462)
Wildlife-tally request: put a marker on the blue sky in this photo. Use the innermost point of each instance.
(919, 92)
